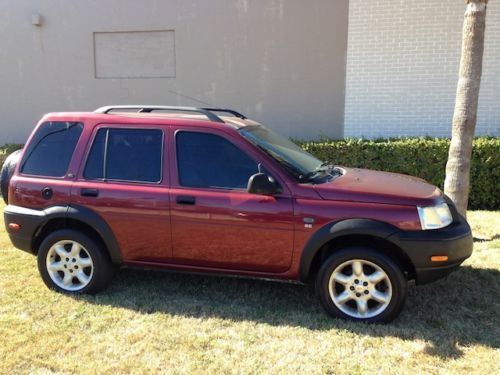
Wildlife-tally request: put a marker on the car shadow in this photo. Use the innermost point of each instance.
(447, 315)
(492, 238)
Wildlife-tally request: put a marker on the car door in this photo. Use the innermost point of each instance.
(215, 221)
(125, 181)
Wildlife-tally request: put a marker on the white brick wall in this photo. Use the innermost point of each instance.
(402, 68)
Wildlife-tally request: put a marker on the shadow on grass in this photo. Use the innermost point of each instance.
(449, 314)
(493, 238)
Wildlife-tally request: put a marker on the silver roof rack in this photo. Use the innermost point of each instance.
(208, 112)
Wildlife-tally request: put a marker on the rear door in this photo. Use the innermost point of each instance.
(215, 221)
(125, 180)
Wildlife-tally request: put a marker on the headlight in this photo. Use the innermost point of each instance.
(435, 217)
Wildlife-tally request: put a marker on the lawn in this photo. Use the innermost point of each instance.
(163, 322)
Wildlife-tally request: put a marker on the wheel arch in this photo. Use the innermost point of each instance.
(335, 236)
(79, 218)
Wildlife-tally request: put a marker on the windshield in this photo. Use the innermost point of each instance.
(295, 160)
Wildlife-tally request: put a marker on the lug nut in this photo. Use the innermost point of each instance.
(365, 283)
(352, 288)
(366, 292)
(356, 281)
(358, 295)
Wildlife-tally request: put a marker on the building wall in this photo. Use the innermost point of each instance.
(281, 62)
(402, 68)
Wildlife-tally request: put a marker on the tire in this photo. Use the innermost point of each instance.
(8, 168)
(361, 284)
(72, 262)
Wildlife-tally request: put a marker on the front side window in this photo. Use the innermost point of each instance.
(126, 155)
(51, 149)
(210, 161)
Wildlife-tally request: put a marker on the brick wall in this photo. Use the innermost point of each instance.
(402, 68)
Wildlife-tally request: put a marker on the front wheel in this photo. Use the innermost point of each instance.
(361, 284)
(72, 262)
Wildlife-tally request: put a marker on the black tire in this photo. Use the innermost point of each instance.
(99, 274)
(8, 168)
(350, 290)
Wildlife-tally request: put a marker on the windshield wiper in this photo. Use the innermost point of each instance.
(322, 168)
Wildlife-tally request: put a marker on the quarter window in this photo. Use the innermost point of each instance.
(51, 148)
(210, 161)
(126, 155)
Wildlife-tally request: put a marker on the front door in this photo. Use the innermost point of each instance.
(124, 181)
(215, 221)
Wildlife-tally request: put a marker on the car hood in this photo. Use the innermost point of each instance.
(364, 185)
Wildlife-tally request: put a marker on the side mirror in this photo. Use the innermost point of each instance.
(260, 183)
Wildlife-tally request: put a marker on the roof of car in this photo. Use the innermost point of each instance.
(150, 114)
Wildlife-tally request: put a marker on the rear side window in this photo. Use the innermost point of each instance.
(126, 155)
(51, 149)
(207, 160)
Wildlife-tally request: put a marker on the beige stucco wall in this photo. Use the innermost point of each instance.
(281, 62)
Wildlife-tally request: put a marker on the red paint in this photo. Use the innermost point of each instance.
(224, 231)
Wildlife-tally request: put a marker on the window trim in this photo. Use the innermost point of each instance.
(210, 188)
(43, 176)
(124, 127)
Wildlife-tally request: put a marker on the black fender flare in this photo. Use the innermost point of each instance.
(338, 229)
(95, 221)
(88, 217)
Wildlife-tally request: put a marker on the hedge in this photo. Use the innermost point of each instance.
(422, 157)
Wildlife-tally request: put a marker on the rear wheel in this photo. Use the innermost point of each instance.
(361, 284)
(72, 262)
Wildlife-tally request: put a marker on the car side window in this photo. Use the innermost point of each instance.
(126, 155)
(49, 152)
(210, 161)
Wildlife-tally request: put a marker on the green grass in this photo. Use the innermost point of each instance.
(149, 322)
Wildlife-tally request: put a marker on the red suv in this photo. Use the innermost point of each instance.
(208, 190)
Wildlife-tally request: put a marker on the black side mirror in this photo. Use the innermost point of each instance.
(260, 183)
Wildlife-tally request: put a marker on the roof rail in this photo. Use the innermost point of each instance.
(233, 112)
(150, 108)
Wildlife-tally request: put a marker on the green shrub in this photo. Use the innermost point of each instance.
(422, 157)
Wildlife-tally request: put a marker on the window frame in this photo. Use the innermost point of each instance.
(108, 127)
(212, 188)
(68, 168)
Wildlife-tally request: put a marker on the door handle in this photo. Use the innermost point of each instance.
(86, 192)
(185, 199)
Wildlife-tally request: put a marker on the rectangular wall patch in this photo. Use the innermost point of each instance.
(134, 54)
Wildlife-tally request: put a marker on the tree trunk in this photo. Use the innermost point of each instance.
(456, 184)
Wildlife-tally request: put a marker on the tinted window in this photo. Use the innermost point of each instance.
(51, 149)
(126, 154)
(207, 160)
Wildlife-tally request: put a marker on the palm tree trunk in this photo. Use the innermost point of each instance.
(456, 184)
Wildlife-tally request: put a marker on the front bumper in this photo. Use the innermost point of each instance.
(454, 241)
